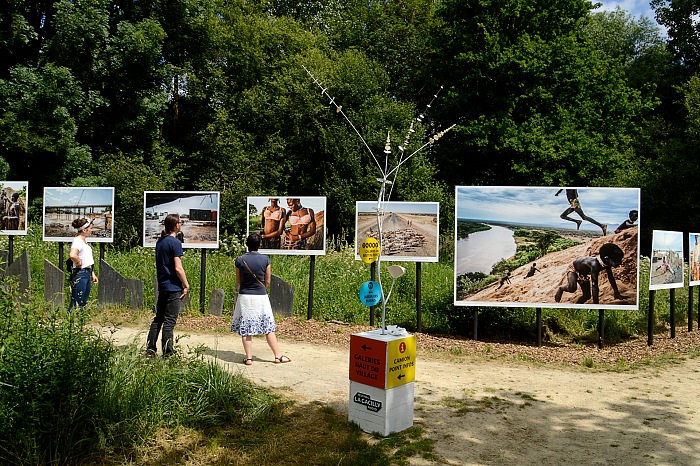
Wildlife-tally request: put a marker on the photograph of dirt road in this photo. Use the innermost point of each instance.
(547, 247)
(666, 270)
(410, 230)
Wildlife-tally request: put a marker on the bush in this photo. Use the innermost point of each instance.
(51, 372)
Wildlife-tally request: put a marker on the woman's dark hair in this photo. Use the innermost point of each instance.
(170, 222)
(78, 223)
(253, 242)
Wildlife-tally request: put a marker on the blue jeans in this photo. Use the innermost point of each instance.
(81, 284)
(167, 310)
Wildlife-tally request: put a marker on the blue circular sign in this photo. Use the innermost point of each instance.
(370, 293)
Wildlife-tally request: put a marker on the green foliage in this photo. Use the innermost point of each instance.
(679, 18)
(66, 393)
(52, 372)
(521, 87)
(465, 228)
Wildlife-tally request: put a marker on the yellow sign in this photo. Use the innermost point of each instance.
(369, 250)
(401, 362)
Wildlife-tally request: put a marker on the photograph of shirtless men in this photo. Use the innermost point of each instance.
(288, 225)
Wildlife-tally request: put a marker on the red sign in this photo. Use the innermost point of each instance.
(368, 361)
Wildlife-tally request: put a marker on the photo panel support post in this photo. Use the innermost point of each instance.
(61, 262)
(202, 280)
(312, 274)
(650, 319)
(476, 322)
(373, 277)
(673, 312)
(10, 249)
(601, 328)
(538, 324)
(690, 308)
(419, 309)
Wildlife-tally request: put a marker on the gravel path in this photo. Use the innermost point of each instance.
(493, 409)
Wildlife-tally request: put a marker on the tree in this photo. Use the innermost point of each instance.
(39, 111)
(535, 103)
(680, 19)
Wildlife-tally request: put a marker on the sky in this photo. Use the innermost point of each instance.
(78, 196)
(540, 206)
(667, 240)
(399, 207)
(636, 8)
(182, 205)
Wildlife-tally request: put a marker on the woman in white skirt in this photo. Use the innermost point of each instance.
(253, 313)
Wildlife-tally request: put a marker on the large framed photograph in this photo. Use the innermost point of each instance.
(198, 210)
(13, 201)
(694, 259)
(289, 225)
(547, 247)
(410, 230)
(666, 268)
(64, 205)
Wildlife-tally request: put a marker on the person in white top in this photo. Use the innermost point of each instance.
(82, 276)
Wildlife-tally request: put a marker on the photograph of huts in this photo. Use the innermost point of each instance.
(13, 205)
(198, 210)
(666, 268)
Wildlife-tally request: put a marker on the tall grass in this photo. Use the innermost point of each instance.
(66, 394)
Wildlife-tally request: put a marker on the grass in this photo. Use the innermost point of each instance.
(68, 396)
(338, 277)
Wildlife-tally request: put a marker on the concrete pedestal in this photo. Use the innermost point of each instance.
(382, 375)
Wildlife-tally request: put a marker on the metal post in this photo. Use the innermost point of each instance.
(476, 322)
(538, 324)
(419, 310)
(601, 328)
(312, 272)
(673, 312)
(690, 308)
(203, 280)
(61, 262)
(650, 318)
(372, 275)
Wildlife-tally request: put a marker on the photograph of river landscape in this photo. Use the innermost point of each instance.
(547, 247)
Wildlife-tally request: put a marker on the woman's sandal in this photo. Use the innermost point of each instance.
(248, 361)
(282, 359)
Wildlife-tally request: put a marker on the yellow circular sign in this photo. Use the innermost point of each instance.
(369, 250)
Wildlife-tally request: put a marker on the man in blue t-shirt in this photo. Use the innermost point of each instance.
(172, 286)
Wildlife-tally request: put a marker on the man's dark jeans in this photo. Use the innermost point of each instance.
(167, 310)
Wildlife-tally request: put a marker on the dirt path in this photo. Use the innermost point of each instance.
(495, 412)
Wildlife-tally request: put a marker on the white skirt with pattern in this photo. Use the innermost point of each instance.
(253, 315)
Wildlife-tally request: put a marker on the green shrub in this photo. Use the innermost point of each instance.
(51, 373)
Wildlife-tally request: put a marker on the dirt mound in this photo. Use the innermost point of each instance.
(541, 287)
